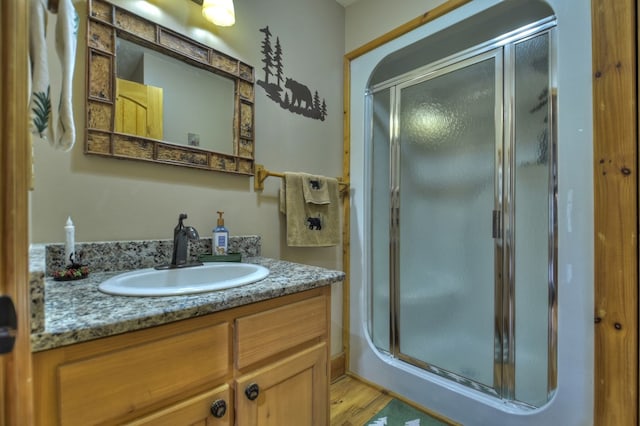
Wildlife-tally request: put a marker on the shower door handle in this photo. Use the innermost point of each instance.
(496, 222)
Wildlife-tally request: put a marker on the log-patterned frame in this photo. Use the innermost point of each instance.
(104, 22)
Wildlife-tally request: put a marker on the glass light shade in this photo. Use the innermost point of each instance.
(220, 12)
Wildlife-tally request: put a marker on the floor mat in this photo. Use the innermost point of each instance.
(397, 413)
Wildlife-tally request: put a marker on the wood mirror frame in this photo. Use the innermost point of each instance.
(105, 21)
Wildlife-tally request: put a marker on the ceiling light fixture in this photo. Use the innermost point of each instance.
(220, 12)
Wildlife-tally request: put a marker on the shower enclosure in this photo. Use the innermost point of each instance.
(471, 220)
(463, 215)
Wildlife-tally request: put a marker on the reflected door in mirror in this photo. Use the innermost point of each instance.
(138, 109)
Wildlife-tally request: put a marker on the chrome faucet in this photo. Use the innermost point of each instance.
(181, 236)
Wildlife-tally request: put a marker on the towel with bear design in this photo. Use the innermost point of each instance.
(311, 205)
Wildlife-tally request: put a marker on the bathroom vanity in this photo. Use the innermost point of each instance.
(238, 356)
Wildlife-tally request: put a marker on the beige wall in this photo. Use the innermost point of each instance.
(366, 20)
(126, 200)
(112, 199)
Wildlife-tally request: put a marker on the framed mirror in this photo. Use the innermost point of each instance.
(155, 95)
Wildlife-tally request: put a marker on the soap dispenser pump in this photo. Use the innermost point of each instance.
(220, 237)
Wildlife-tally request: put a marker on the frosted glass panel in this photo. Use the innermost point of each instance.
(532, 273)
(380, 219)
(447, 148)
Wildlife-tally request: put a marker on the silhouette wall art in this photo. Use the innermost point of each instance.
(287, 92)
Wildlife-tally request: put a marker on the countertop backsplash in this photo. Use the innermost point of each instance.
(112, 256)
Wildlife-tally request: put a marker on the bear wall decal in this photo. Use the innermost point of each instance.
(297, 96)
(299, 93)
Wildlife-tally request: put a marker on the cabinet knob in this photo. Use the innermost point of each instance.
(252, 391)
(219, 408)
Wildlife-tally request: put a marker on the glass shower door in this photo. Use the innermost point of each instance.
(463, 217)
(448, 158)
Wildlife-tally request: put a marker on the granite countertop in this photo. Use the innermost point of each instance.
(76, 311)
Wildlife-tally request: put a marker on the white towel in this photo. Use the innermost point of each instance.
(41, 117)
(66, 44)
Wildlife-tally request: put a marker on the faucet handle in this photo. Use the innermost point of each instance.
(180, 226)
(192, 234)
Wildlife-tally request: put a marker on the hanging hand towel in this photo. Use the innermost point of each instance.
(66, 43)
(311, 224)
(41, 117)
(316, 189)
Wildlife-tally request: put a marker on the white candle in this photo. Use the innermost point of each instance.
(69, 247)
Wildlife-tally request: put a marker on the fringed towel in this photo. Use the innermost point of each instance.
(41, 118)
(313, 214)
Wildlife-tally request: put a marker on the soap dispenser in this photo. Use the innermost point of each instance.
(220, 237)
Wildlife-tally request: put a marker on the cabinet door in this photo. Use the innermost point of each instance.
(293, 391)
(114, 384)
(196, 411)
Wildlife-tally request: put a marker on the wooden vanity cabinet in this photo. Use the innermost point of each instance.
(263, 363)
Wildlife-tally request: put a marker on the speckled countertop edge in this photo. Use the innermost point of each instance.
(76, 311)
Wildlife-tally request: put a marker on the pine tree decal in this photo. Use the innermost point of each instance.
(277, 58)
(316, 101)
(266, 52)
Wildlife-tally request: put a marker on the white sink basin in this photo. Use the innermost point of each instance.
(194, 279)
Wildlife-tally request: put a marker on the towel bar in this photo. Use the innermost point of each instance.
(261, 174)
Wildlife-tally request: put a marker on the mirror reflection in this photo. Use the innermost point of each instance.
(160, 97)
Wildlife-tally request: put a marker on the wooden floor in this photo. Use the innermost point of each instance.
(353, 402)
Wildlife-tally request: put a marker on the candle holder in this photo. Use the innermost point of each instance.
(73, 271)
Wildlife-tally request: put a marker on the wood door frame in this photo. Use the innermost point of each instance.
(615, 155)
(615, 139)
(16, 397)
